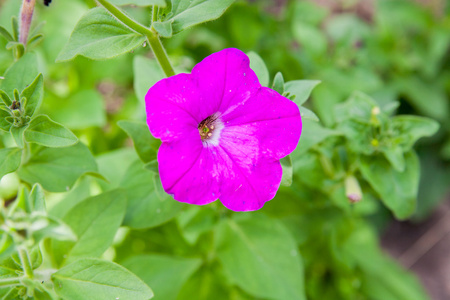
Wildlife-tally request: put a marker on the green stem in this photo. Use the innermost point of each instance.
(153, 39)
(26, 264)
(14, 281)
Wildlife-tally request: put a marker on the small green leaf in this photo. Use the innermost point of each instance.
(98, 35)
(185, 14)
(145, 144)
(308, 114)
(301, 89)
(45, 132)
(5, 98)
(157, 271)
(37, 199)
(34, 94)
(286, 164)
(278, 83)
(164, 28)
(6, 34)
(397, 190)
(43, 226)
(17, 134)
(57, 169)
(95, 221)
(10, 159)
(146, 73)
(15, 28)
(160, 3)
(260, 256)
(4, 124)
(91, 278)
(146, 197)
(412, 128)
(259, 67)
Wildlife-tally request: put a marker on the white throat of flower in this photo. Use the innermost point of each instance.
(210, 129)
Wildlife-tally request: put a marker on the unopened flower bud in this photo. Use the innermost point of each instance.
(352, 189)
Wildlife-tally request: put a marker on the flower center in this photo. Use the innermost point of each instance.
(206, 127)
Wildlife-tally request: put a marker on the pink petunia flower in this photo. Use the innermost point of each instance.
(222, 133)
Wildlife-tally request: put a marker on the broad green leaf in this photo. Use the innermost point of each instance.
(358, 107)
(301, 89)
(148, 204)
(259, 67)
(185, 14)
(95, 222)
(286, 164)
(158, 271)
(34, 94)
(146, 73)
(308, 114)
(43, 226)
(45, 132)
(37, 199)
(77, 194)
(98, 35)
(145, 144)
(57, 169)
(412, 128)
(20, 74)
(80, 110)
(114, 164)
(382, 278)
(206, 284)
(10, 159)
(92, 278)
(259, 255)
(313, 133)
(161, 3)
(397, 190)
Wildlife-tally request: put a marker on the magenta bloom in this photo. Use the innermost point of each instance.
(222, 133)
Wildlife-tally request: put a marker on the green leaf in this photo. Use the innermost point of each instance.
(301, 89)
(91, 278)
(164, 28)
(259, 67)
(358, 107)
(412, 128)
(259, 255)
(4, 125)
(145, 144)
(5, 98)
(286, 164)
(95, 221)
(158, 271)
(308, 114)
(43, 226)
(98, 35)
(397, 190)
(57, 169)
(81, 110)
(146, 73)
(20, 74)
(45, 132)
(114, 164)
(17, 134)
(6, 34)
(37, 199)
(313, 133)
(10, 159)
(160, 3)
(185, 14)
(148, 204)
(34, 94)
(278, 83)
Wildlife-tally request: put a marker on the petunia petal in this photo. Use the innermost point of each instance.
(170, 115)
(246, 185)
(226, 79)
(188, 170)
(271, 119)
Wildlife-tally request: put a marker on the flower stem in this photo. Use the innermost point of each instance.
(9, 282)
(152, 36)
(26, 264)
(26, 14)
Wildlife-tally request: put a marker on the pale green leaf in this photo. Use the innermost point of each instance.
(301, 89)
(98, 35)
(146, 73)
(10, 159)
(91, 278)
(259, 67)
(34, 94)
(20, 74)
(45, 132)
(161, 3)
(145, 144)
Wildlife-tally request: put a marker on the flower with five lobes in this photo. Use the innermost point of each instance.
(222, 133)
